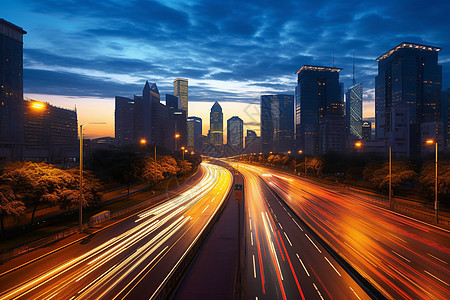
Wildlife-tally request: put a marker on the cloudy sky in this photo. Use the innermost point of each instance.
(85, 52)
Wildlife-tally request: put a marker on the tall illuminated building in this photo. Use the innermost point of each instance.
(180, 90)
(366, 127)
(235, 133)
(407, 87)
(319, 114)
(194, 132)
(216, 125)
(277, 122)
(11, 91)
(353, 108)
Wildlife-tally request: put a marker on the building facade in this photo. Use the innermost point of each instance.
(173, 102)
(235, 133)
(319, 110)
(366, 132)
(216, 125)
(409, 82)
(194, 132)
(353, 114)
(11, 91)
(50, 133)
(277, 122)
(180, 90)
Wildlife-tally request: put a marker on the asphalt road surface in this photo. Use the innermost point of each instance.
(403, 257)
(130, 259)
(282, 259)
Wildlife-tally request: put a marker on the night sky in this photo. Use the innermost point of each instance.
(85, 52)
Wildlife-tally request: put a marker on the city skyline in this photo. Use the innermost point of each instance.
(86, 76)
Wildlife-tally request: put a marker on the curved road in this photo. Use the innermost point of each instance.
(282, 259)
(404, 258)
(130, 259)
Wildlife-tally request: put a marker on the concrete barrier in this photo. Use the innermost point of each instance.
(100, 217)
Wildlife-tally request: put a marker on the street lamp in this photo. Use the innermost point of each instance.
(436, 203)
(182, 150)
(143, 141)
(177, 136)
(81, 173)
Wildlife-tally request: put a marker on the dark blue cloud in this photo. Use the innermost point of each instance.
(253, 41)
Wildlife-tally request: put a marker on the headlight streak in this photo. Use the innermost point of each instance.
(100, 256)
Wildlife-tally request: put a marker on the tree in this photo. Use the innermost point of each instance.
(34, 183)
(70, 193)
(401, 172)
(150, 171)
(184, 166)
(9, 205)
(168, 165)
(428, 173)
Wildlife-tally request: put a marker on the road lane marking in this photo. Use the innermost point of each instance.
(297, 224)
(318, 292)
(307, 273)
(250, 222)
(313, 243)
(332, 266)
(354, 293)
(400, 256)
(205, 208)
(437, 258)
(280, 225)
(287, 238)
(251, 236)
(397, 238)
(436, 278)
(254, 267)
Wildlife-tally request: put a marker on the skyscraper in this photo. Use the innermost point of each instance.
(366, 130)
(173, 102)
(277, 122)
(354, 111)
(50, 133)
(235, 133)
(194, 129)
(11, 91)
(144, 117)
(409, 82)
(320, 124)
(216, 125)
(180, 90)
(446, 116)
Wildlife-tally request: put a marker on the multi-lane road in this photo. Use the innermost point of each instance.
(131, 259)
(402, 257)
(282, 258)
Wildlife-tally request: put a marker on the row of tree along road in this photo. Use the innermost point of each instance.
(409, 178)
(28, 186)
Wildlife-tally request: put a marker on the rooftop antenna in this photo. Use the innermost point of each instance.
(354, 81)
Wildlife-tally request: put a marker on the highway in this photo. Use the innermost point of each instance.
(282, 258)
(404, 258)
(131, 259)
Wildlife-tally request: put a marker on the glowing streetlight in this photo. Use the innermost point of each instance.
(177, 136)
(38, 105)
(358, 144)
(436, 203)
(289, 152)
(300, 151)
(81, 173)
(143, 141)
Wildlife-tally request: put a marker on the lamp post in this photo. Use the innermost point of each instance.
(436, 203)
(182, 148)
(177, 136)
(81, 174)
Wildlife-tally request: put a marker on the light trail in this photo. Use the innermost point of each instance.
(123, 259)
